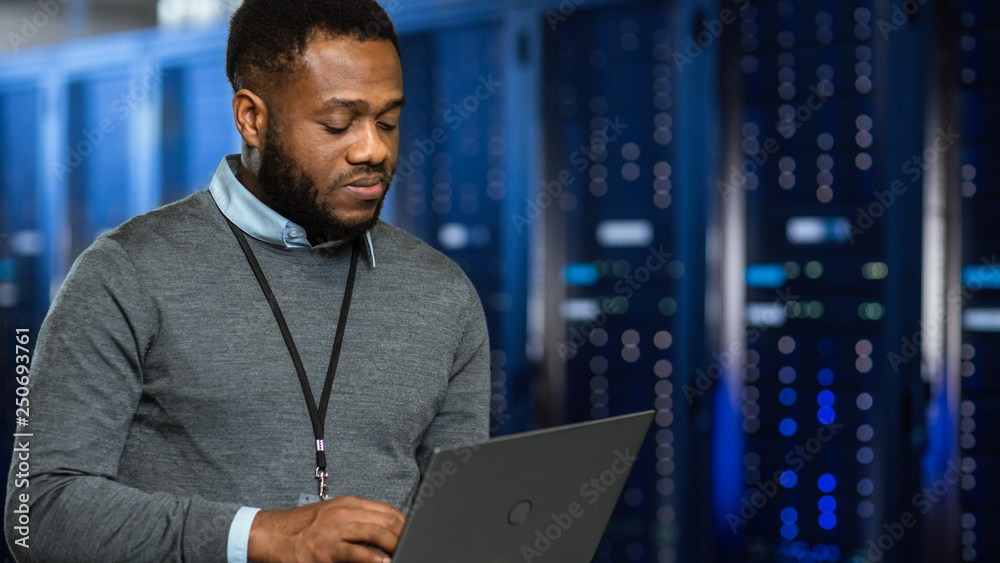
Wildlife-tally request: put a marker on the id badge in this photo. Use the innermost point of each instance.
(306, 498)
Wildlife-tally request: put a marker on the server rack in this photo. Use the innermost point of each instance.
(979, 411)
(832, 427)
(624, 207)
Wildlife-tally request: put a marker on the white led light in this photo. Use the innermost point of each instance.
(624, 233)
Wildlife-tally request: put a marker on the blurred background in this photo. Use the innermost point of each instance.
(771, 221)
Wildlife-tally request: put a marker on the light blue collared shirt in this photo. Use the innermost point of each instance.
(255, 218)
(261, 222)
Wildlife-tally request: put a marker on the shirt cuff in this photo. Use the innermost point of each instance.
(239, 534)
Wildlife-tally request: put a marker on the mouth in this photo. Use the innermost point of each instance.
(367, 188)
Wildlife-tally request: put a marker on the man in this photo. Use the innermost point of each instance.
(178, 382)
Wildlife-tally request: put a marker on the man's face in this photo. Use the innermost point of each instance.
(333, 138)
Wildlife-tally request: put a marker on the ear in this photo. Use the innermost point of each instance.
(251, 114)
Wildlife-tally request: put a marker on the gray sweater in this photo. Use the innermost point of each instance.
(163, 397)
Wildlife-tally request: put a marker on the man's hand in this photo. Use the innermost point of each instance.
(331, 531)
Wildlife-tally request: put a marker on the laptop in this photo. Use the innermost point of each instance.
(539, 496)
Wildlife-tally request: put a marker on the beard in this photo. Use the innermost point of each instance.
(297, 197)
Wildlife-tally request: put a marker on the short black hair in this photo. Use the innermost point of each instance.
(267, 37)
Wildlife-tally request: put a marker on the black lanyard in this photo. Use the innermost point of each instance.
(318, 415)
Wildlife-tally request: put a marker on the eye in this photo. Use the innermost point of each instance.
(334, 130)
(388, 126)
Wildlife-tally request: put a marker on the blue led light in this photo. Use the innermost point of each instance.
(980, 277)
(827, 520)
(787, 427)
(825, 376)
(826, 482)
(765, 275)
(788, 479)
(789, 531)
(789, 515)
(8, 270)
(827, 503)
(825, 398)
(786, 375)
(826, 415)
(787, 396)
(581, 274)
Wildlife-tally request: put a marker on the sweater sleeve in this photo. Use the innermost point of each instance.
(464, 416)
(86, 382)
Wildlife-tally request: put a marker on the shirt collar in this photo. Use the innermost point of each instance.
(255, 218)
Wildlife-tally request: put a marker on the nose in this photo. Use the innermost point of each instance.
(369, 145)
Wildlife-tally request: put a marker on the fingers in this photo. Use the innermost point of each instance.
(363, 521)
(373, 535)
(339, 528)
(351, 553)
(394, 518)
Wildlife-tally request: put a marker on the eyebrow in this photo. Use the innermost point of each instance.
(361, 105)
